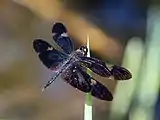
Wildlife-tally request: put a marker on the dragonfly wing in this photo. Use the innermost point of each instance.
(99, 67)
(61, 37)
(49, 56)
(95, 65)
(78, 78)
(74, 78)
(100, 91)
(120, 73)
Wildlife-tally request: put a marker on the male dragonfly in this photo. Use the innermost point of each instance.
(71, 65)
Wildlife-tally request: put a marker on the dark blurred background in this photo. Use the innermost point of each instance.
(123, 32)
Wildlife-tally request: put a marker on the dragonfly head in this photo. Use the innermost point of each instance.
(83, 50)
(40, 45)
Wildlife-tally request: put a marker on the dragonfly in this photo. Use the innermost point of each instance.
(71, 65)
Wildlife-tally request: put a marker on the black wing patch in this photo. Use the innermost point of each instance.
(74, 77)
(100, 91)
(61, 37)
(95, 65)
(78, 78)
(120, 73)
(49, 56)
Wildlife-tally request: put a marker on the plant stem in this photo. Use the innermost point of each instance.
(88, 101)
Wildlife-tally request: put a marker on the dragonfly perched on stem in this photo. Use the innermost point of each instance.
(71, 65)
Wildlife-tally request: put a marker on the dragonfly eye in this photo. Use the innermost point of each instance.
(84, 50)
